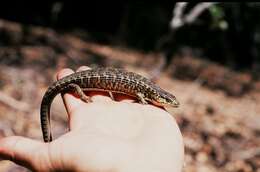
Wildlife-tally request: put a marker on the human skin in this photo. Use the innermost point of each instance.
(104, 136)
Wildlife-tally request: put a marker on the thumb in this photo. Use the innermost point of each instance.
(29, 153)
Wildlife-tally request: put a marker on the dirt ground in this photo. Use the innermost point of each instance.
(219, 114)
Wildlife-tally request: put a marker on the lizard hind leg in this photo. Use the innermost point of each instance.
(79, 92)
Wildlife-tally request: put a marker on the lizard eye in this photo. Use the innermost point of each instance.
(169, 100)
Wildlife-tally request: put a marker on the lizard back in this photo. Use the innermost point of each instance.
(107, 79)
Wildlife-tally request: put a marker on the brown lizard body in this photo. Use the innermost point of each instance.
(105, 79)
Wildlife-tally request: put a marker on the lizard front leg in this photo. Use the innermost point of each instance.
(141, 98)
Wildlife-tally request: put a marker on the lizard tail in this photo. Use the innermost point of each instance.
(48, 97)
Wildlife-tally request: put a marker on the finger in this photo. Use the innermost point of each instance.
(69, 100)
(64, 72)
(23, 151)
(82, 68)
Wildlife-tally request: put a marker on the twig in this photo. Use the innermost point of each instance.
(13, 103)
(179, 19)
(197, 10)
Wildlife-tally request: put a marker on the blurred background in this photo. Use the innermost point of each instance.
(206, 54)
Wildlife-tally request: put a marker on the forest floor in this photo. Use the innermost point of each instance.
(219, 116)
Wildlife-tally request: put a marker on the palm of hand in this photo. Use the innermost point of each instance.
(107, 135)
(111, 134)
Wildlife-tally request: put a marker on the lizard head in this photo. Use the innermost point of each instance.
(169, 100)
(165, 99)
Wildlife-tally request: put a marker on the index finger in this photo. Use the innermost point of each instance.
(70, 101)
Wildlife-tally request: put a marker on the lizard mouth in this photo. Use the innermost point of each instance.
(175, 103)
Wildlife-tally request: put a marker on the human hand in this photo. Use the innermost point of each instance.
(105, 135)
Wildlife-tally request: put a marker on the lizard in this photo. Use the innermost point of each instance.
(112, 80)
